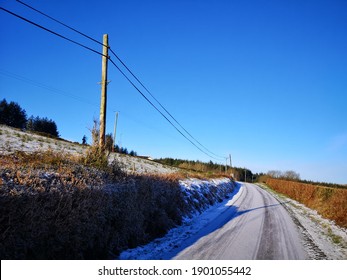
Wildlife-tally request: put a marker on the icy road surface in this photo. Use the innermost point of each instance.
(256, 226)
(253, 223)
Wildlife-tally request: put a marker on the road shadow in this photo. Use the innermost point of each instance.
(239, 213)
(231, 212)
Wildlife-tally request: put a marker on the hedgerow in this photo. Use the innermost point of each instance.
(54, 207)
(331, 203)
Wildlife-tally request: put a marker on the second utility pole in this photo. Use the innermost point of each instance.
(103, 92)
(115, 130)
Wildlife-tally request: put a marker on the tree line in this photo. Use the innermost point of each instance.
(238, 173)
(288, 175)
(291, 175)
(13, 115)
(190, 164)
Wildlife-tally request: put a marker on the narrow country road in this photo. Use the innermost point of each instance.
(255, 226)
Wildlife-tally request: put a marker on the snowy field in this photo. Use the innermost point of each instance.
(142, 166)
(12, 140)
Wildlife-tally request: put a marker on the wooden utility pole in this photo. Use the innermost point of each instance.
(115, 130)
(103, 92)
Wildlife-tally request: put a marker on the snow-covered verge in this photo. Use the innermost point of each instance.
(322, 238)
(201, 194)
(205, 199)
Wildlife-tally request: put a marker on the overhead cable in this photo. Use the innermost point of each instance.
(58, 21)
(156, 108)
(126, 67)
(51, 31)
(162, 105)
(46, 87)
(207, 151)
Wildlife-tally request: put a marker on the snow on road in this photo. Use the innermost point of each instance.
(251, 224)
(256, 226)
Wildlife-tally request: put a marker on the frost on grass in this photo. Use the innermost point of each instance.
(54, 207)
(204, 201)
(13, 140)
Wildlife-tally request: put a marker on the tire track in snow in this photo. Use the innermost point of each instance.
(260, 228)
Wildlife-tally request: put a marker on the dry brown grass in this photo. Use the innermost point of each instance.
(54, 207)
(331, 203)
(61, 206)
(183, 174)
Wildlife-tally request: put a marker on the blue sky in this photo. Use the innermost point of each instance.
(264, 81)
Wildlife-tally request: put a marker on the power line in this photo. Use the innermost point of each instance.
(162, 105)
(51, 31)
(46, 87)
(58, 21)
(126, 67)
(49, 88)
(208, 153)
(156, 108)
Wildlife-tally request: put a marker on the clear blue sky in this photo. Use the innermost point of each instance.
(264, 81)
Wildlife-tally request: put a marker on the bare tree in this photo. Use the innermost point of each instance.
(95, 131)
(291, 175)
(274, 173)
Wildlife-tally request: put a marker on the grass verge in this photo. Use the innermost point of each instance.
(331, 203)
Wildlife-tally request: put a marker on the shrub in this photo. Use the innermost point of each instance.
(96, 157)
